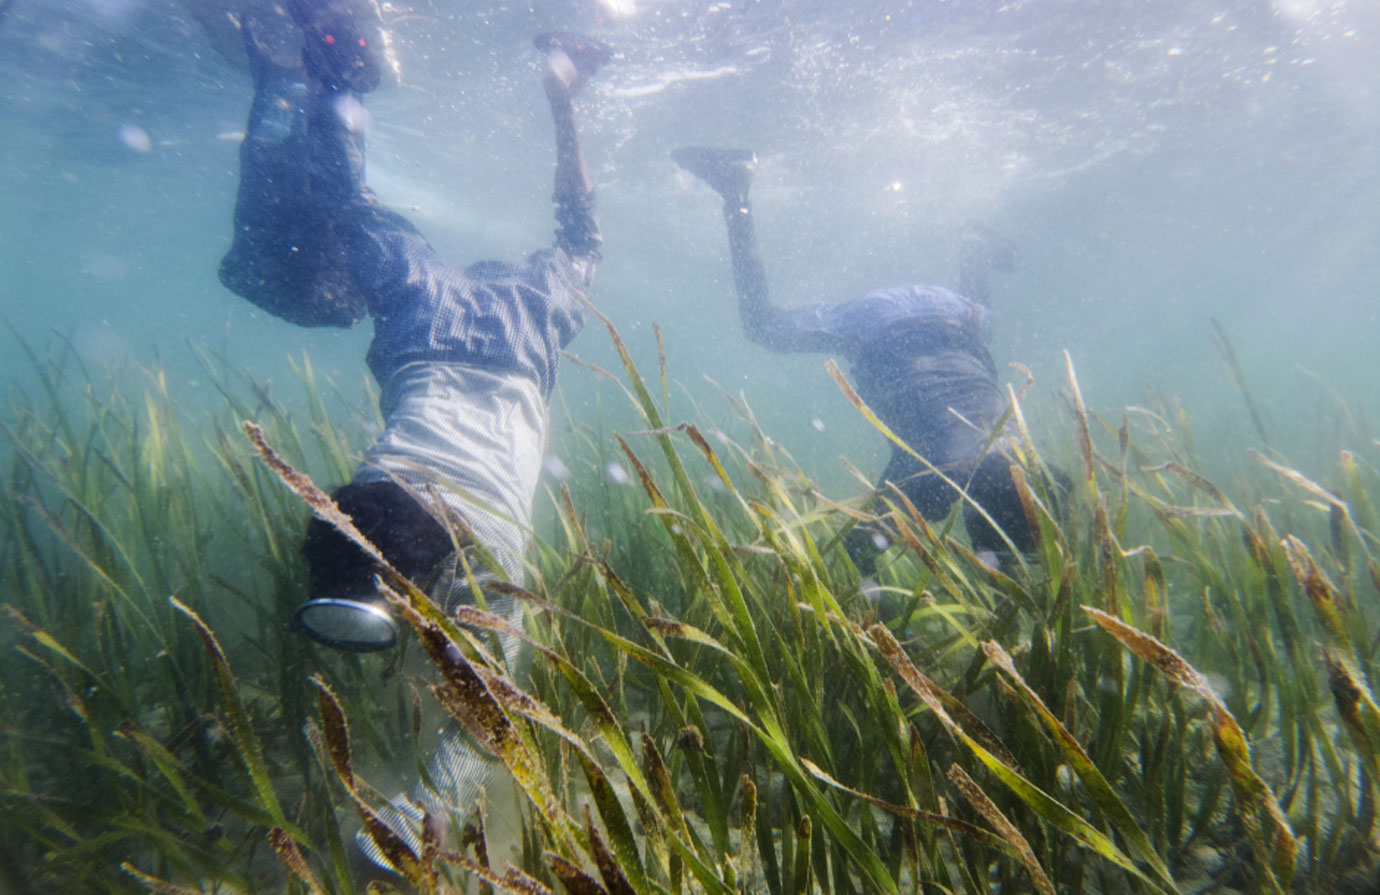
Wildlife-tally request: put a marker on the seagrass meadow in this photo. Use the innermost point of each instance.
(1172, 693)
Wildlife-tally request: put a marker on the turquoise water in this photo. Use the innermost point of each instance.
(1159, 165)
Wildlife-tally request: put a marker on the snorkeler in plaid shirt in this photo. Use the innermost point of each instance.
(920, 360)
(466, 357)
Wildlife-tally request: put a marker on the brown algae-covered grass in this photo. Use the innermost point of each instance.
(1172, 693)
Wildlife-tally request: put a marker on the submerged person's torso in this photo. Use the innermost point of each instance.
(922, 357)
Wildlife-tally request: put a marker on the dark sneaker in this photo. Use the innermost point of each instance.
(727, 171)
(353, 625)
(344, 45)
(585, 53)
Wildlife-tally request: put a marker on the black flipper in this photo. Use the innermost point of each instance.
(342, 46)
(727, 171)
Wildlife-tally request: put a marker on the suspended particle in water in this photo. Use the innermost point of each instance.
(212, 731)
(1219, 685)
(619, 8)
(870, 589)
(112, 9)
(880, 541)
(101, 346)
(556, 468)
(104, 265)
(713, 483)
(818, 424)
(616, 474)
(352, 114)
(136, 138)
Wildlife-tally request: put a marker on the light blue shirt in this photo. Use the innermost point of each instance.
(848, 328)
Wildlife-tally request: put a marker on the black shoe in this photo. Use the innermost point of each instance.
(727, 171)
(343, 44)
(585, 53)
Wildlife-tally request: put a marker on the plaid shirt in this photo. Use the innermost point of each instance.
(917, 352)
(495, 315)
(853, 328)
